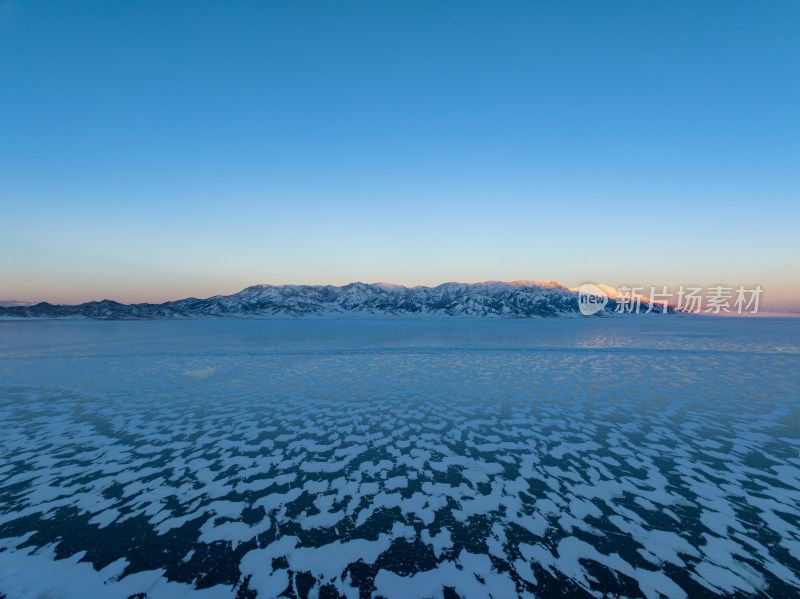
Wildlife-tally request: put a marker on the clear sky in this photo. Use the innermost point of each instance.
(158, 150)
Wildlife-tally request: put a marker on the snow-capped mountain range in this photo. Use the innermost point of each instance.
(490, 298)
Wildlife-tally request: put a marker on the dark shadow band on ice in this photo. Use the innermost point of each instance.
(493, 299)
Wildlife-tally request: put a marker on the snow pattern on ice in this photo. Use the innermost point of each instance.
(239, 468)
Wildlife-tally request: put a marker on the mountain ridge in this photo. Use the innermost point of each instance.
(515, 299)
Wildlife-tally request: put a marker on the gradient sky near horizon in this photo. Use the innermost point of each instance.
(159, 150)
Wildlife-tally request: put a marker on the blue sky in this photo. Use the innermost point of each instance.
(152, 151)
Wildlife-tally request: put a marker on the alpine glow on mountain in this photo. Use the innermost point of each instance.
(489, 298)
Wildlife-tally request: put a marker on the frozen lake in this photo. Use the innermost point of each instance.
(586, 457)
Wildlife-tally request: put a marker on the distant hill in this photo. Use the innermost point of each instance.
(13, 303)
(487, 299)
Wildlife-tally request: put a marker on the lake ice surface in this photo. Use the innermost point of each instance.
(638, 457)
